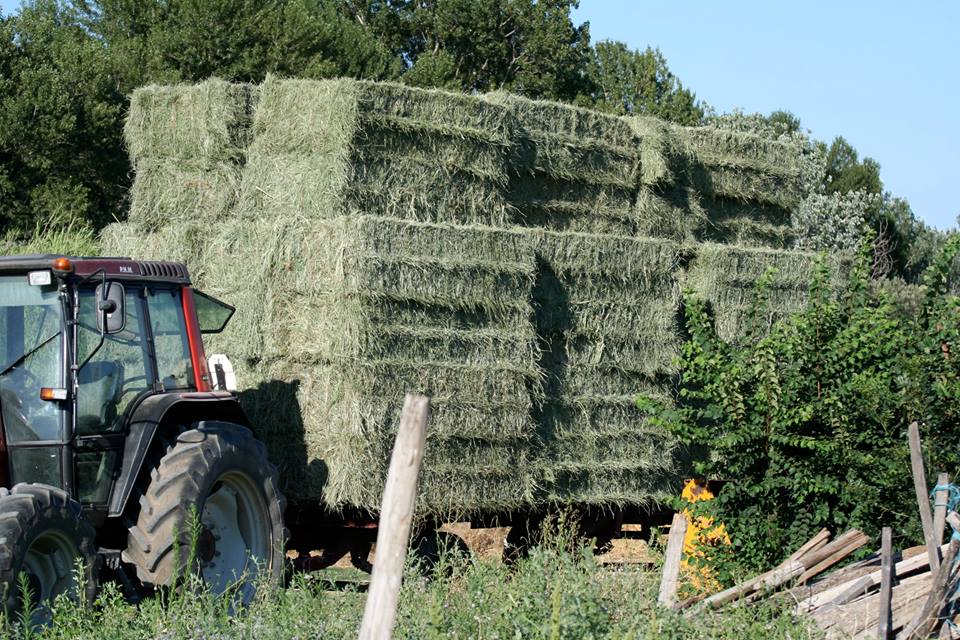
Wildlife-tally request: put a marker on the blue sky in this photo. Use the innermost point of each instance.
(884, 74)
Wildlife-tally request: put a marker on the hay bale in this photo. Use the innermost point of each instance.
(209, 121)
(658, 150)
(187, 143)
(322, 149)
(726, 277)
(331, 428)
(169, 191)
(601, 450)
(343, 270)
(571, 168)
(742, 166)
(183, 242)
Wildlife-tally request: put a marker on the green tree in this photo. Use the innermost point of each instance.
(848, 173)
(191, 40)
(530, 48)
(61, 155)
(626, 81)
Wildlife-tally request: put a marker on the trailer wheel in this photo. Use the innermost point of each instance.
(43, 535)
(212, 503)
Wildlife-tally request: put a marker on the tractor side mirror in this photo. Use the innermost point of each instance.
(111, 315)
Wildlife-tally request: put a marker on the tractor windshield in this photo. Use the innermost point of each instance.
(31, 357)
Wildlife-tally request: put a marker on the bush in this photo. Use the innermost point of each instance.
(807, 419)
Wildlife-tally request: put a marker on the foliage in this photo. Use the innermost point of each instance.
(807, 418)
(558, 592)
(832, 221)
(846, 172)
(192, 40)
(639, 83)
(61, 157)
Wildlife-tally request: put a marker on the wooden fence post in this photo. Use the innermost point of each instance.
(923, 497)
(396, 517)
(940, 498)
(671, 562)
(885, 628)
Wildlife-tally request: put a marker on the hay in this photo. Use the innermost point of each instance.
(332, 427)
(570, 168)
(726, 277)
(341, 270)
(657, 147)
(741, 166)
(209, 120)
(171, 191)
(602, 451)
(364, 233)
(322, 149)
(182, 242)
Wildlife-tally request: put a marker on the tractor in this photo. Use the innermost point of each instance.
(123, 450)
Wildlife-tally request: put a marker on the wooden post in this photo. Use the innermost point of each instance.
(940, 498)
(885, 628)
(927, 618)
(396, 517)
(923, 499)
(671, 562)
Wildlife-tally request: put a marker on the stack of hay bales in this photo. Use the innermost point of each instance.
(606, 315)
(341, 313)
(354, 312)
(186, 146)
(514, 259)
(571, 169)
(335, 147)
(716, 185)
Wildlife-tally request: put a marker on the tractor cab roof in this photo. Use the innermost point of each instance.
(114, 268)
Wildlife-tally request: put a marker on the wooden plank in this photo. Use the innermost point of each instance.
(859, 618)
(396, 518)
(788, 570)
(885, 622)
(671, 562)
(839, 554)
(812, 544)
(940, 497)
(928, 618)
(923, 499)
(859, 588)
(914, 563)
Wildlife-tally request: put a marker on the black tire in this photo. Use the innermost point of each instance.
(195, 470)
(42, 534)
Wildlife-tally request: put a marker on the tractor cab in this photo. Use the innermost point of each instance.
(109, 416)
(83, 342)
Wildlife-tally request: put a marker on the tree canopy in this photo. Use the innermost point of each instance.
(67, 68)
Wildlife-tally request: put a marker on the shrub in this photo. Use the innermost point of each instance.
(806, 418)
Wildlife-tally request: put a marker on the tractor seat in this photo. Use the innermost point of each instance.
(100, 384)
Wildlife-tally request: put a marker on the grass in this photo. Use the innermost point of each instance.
(559, 591)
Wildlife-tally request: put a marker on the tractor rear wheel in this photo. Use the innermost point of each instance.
(43, 535)
(212, 508)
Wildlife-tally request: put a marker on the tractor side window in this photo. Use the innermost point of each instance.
(174, 366)
(117, 373)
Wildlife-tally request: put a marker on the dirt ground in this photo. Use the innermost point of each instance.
(488, 544)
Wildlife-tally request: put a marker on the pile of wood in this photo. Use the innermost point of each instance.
(910, 594)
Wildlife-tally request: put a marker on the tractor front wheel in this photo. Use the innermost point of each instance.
(46, 540)
(212, 508)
